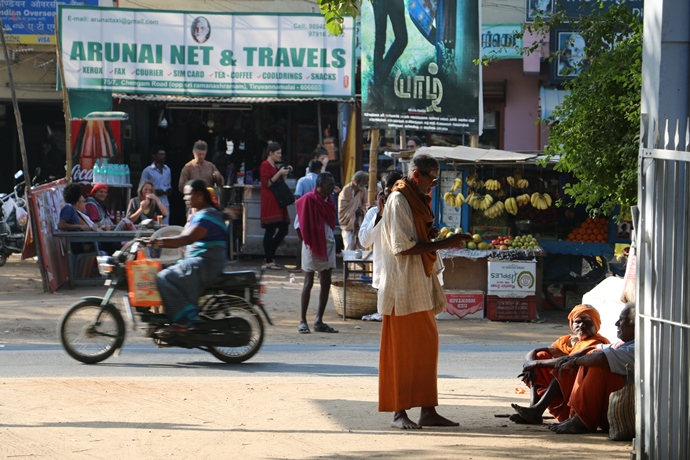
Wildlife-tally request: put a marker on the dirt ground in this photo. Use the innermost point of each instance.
(245, 416)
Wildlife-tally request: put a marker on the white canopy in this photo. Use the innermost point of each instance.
(463, 154)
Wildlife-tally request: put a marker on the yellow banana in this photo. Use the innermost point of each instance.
(533, 199)
(472, 180)
(449, 198)
(522, 183)
(492, 184)
(511, 181)
(459, 200)
(511, 206)
(457, 184)
(548, 199)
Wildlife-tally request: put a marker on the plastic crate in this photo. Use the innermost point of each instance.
(511, 308)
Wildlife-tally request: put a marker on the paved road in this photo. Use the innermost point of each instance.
(136, 360)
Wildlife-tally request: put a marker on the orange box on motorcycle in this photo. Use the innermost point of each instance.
(490, 233)
(141, 280)
(463, 304)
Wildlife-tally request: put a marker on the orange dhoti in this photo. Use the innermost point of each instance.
(559, 407)
(590, 395)
(408, 362)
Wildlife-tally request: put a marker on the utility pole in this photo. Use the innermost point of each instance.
(22, 148)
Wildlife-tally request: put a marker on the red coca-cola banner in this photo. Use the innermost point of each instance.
(93, 140)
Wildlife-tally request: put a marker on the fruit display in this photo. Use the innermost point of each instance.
(592, 230)
(480, 202)
(445, 232)
(492, 184)
(525, 242)
(495, 209)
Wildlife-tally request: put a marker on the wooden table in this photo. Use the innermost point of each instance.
(92, 237)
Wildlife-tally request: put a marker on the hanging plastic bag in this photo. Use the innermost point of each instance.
(141, 279)
(21, 215)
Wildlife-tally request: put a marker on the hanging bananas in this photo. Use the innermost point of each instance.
(480, 202)
(474, 182)
(522, 183)
(457, 184)
(454, 200)
(540, 201)
(492, 184)
(523, 199)
(511, 181)
(511, 206)
(494, 210)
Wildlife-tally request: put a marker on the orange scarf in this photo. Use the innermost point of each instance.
(423, 218)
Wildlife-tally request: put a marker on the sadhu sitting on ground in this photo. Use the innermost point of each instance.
(549, 390)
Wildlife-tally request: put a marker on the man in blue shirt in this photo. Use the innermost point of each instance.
(308, 183)
(159, 174)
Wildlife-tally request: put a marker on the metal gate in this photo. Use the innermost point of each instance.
(663, 292)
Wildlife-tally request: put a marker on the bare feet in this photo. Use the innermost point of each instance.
(429, 417)
(530, 415)
(402, 421)
(571, 426)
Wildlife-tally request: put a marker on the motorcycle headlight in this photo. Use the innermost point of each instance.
(105, 265)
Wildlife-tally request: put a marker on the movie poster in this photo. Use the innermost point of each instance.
(418, 69)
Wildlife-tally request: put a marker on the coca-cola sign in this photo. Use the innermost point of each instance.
(93, 140)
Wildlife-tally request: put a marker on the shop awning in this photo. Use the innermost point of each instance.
(550, 98)
(463, 154)
(222, 100)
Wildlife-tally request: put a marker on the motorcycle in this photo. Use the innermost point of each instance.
(230, 326)
(13, 221)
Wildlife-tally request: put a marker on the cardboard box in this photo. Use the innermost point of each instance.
(511, 308)
(463, 304)
(516, 277)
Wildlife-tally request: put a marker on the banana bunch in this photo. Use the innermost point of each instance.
(454, 200)
(474, 182)
(495, 210)
(540, 200)
(522, 183)
(523, 199)
(480, 202)
(492, 184)
(511, 181)
(511, 206)
(457, 184)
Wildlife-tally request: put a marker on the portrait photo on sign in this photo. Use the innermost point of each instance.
(538, 9)
(201, 29)
(569, 47)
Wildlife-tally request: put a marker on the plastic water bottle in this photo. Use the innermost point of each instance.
(96, 172)
(127, 174)
(105, 172)
(120, 175)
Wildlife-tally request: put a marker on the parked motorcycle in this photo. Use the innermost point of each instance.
(13, 221)
(231, 326)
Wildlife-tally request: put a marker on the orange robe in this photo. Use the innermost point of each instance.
(408, 362)
(559, 407)
(590, 395)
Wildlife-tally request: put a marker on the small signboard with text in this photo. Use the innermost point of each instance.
(512, 278)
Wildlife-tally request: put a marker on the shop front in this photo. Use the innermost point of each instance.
(250, 79)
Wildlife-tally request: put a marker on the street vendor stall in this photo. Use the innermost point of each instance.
(507, 201)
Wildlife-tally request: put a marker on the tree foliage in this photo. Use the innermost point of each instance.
(334, 11)
(597, 127)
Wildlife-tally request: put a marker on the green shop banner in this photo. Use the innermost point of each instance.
(204, 54)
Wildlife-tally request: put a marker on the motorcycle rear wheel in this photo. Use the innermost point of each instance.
(220, 306)
(86, 341)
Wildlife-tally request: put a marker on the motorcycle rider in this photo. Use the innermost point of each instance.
(206, 237)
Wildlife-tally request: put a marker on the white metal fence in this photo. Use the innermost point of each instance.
(663, 292)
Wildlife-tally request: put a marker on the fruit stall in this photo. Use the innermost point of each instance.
(507, 202)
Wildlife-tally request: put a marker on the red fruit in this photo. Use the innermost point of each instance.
(494, 242)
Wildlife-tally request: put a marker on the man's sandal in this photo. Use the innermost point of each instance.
(303, 328)
(323, 327)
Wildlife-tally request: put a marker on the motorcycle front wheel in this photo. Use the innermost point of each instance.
(220, 306)
(87, 337)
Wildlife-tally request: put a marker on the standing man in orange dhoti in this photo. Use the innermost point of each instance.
(409, 295)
